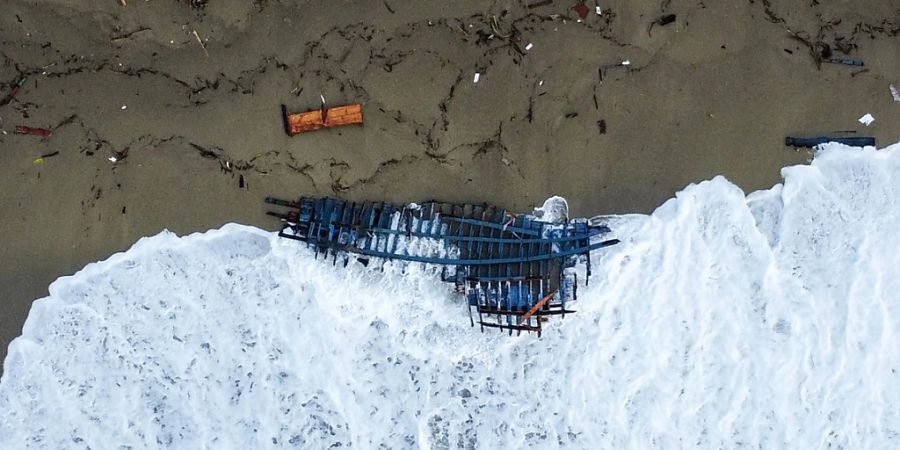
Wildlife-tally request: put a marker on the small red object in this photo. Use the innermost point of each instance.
(582, 10)
(20, 129)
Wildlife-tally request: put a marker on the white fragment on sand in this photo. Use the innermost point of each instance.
(323, 98)
(529, 46)
(477, 77)
(626, 63)
(599, 11)
(491, 36)
(4, 132)
(541, 83)
(112, 159)
(506, 161)
(124, 107)
(895, 93)
(866, 119)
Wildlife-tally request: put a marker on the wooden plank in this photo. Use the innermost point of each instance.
(537, 306)
(322, 118)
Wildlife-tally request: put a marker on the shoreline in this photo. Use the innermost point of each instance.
(715, 92)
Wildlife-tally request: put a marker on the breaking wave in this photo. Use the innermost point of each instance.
(721, 321)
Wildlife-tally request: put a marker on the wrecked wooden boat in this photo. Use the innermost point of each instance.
(321, 118)
(515, 270)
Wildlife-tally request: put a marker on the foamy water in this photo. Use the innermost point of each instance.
(720, 321)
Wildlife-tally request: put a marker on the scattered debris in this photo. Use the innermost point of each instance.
(21, 129)
(477, 77)
(605, 67)
(38, 161)
(124, 107)
(539, 3)
(662, 21)
(123, 210)
(200, 41)
(321, 118)
(894, 93)
(116, 38)
(601, 124)
(123, 2)
(541, 83)
(599, 11)
(241, 181)
(810, 142)
(571, 115)
(582, 10)
(820, 51)
(112, 159)
(666, 19)
(858, 72)
(529, 46)
(846, 62)
(49, 155)
(20, 81)
(391, 10)
(866, 119)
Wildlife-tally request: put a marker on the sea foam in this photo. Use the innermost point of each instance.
(720, 321)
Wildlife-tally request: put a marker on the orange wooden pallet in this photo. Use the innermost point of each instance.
(321, 118)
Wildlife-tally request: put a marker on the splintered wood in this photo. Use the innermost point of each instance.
(322, 118)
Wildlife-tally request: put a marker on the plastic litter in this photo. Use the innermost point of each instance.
(477, 77)
(895, 93)
(866, 119)
(846, 62)
(21, 129)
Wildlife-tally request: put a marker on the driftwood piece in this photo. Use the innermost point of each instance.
(321, 118)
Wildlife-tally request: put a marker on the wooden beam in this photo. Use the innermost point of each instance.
(536, 307)
(322, 118)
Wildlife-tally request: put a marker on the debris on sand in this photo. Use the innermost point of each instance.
(539, 3)
(866, 119)
(846, 62)
(321, 118)
(894, 93)
(21, 129)
(16, 86)
(200, 41)
(581, 10)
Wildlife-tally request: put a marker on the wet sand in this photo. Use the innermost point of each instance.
(714, 92)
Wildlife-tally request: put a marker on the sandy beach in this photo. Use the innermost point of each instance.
(186, 99)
